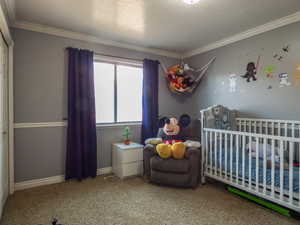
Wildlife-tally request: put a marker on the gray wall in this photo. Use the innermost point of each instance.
(40, 96)
(252, 99)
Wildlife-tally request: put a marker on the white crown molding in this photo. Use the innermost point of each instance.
(293, 18)
(88, 38)
(52, 180)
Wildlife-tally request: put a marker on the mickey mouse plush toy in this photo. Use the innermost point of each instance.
(172, 131)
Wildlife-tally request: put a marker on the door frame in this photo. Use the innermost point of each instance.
(4, 27)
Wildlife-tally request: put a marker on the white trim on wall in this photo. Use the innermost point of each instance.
(52, 180)
(8, 38)
(64, 124)
(11, 120)
(293, 18)
(37, 125)
(88, 38)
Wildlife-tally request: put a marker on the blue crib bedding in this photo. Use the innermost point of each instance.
(295, 174)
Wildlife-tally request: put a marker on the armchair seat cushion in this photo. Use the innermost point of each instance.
(169, 165)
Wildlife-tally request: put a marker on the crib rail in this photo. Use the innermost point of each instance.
(284, 128)
(256, 162)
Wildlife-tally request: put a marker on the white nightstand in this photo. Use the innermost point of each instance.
(127, 160)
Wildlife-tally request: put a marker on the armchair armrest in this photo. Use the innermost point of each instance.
(194, 157)
(148, 152)
(192, 152)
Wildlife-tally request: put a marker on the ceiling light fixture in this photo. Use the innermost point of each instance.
(191, 2)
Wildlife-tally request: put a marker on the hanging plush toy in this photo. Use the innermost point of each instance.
(182, 78)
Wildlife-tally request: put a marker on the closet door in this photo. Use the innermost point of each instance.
(4, 167)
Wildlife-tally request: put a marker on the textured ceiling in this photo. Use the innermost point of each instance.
(163, 24)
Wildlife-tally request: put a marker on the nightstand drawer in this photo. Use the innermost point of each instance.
(132, 169)
(132, 155)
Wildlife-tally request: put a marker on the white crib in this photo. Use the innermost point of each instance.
(226, 158)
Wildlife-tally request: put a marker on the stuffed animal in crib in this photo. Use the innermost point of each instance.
(251, 148)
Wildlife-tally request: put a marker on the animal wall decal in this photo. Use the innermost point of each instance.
(251, 70)
(286, 48)
(269, 70)
(284, 80)
(280, 56)
(232, 83)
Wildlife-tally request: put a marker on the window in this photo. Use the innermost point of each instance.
(118, 91)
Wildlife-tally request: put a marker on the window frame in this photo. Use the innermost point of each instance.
(122, 62)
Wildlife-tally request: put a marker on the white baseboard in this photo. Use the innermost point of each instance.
(52, 180)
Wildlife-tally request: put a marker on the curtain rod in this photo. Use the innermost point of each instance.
(139, 60)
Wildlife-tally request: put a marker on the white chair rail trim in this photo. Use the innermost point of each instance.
(64, 124)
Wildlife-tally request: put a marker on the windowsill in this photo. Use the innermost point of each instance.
(135, 124)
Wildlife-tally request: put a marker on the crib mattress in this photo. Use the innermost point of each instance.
(295, 174)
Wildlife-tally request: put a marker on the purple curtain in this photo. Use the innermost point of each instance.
(150, 99)
(81, 159)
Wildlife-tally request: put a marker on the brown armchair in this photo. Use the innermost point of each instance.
(180, 173)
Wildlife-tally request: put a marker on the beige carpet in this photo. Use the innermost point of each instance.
(112, 201)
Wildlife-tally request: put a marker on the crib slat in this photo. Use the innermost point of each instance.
(273, 168)
(225, 170)
(210, 152)
(206, 150)
(249, 126)
(286, 130)
(257, 158)
(260, 127)
(280, 128)
(215, 151)
(281, 169)
(243, 159)
(237, 159)
(220, 154)
(299, 167)
(231, 145)
(240, 126)
(265, 166)
(291, 161)
(293, 130)
(250, 164)
(273, 129)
